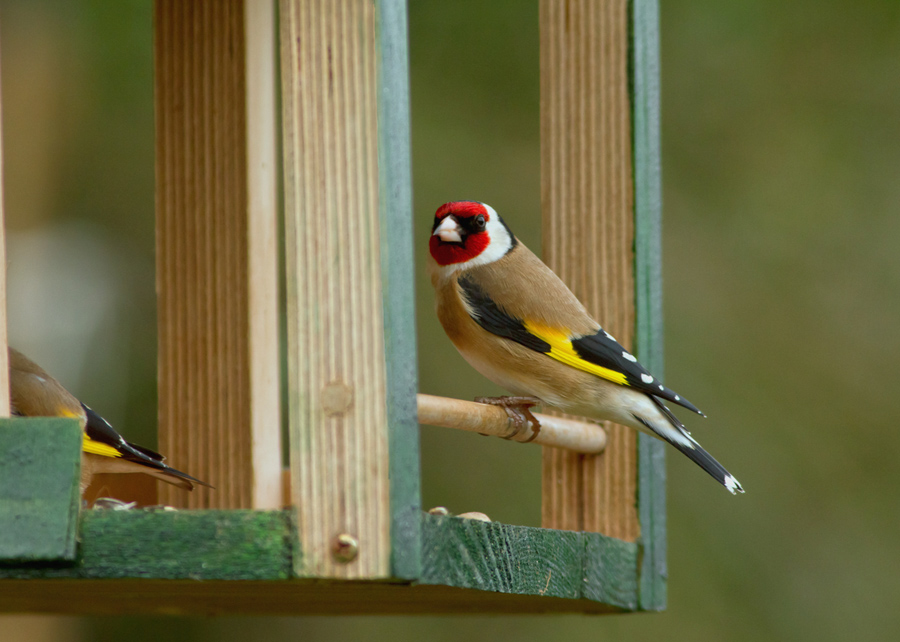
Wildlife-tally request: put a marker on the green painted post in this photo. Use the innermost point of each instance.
(398, 270)
(40, 474)
(648, 292)
(186, 544)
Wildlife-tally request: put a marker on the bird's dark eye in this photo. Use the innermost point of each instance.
(478, 223)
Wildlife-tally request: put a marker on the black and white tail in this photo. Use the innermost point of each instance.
(690, 448)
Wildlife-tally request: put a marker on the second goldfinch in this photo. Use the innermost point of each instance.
(519, 325)
(34, 393)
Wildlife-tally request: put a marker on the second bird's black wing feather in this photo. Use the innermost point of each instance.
(98, 429)
(599, 348)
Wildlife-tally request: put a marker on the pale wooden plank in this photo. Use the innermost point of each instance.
(588, 232)
(262, 250)
(335, 333)
(217, 316)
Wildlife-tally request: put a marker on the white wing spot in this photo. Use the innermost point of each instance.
(677, 398)
(661, 387)
(630, 357)
(647, 378)
(609, 336)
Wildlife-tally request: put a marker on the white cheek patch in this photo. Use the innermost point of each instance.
(500, 244)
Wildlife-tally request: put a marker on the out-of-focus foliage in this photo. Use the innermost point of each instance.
(781, 131)
(78, 191)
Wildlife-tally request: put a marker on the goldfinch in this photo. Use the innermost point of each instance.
(34, 393)
(519, 325)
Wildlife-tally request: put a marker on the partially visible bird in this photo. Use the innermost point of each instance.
(34, 393)
(519, 325)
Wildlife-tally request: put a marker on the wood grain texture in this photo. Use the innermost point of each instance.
(218, 393)
(338, 422)
(588, 232)
(142, 543)
(611, 571)
(40, 475)
(648, 292)
(245, 560)
(490, 556)
(262, 251)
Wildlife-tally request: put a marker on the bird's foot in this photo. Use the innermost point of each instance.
(519, 411)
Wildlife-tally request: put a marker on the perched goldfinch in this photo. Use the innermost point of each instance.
(34, 393)
(519, 325)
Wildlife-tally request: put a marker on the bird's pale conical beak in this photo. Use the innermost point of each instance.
(449, 231)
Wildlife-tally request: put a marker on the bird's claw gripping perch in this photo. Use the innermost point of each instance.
(519, 411)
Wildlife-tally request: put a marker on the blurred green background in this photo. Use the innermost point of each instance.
(781, 158)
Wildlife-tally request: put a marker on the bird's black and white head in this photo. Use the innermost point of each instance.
(466, 234)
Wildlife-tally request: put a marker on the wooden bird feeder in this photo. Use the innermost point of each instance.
(354, 538)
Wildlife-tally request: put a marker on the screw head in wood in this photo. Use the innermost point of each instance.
(344, 548)
(337, 398)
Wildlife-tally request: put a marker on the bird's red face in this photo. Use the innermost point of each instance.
(461, 232)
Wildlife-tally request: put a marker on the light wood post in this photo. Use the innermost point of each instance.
(217, 250)
(588, 233)
(338, 389)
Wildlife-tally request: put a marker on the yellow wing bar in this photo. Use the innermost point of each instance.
(88, 445)
(561, 349)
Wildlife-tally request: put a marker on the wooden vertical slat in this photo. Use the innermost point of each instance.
(587, 199)
(335, 332)
(262, 251)
(216, 258)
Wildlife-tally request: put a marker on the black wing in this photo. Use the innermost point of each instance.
(98, 429)
(599, 349)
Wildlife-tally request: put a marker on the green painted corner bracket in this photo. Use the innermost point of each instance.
(175, 545)
(40, 474)
(258, 545)
(525, 560)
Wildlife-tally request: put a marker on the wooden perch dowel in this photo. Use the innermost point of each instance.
(578, 436)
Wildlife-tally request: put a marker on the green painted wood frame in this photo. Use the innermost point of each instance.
(398, 278)
(40, 476)
(455, 565)
(648, 290)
